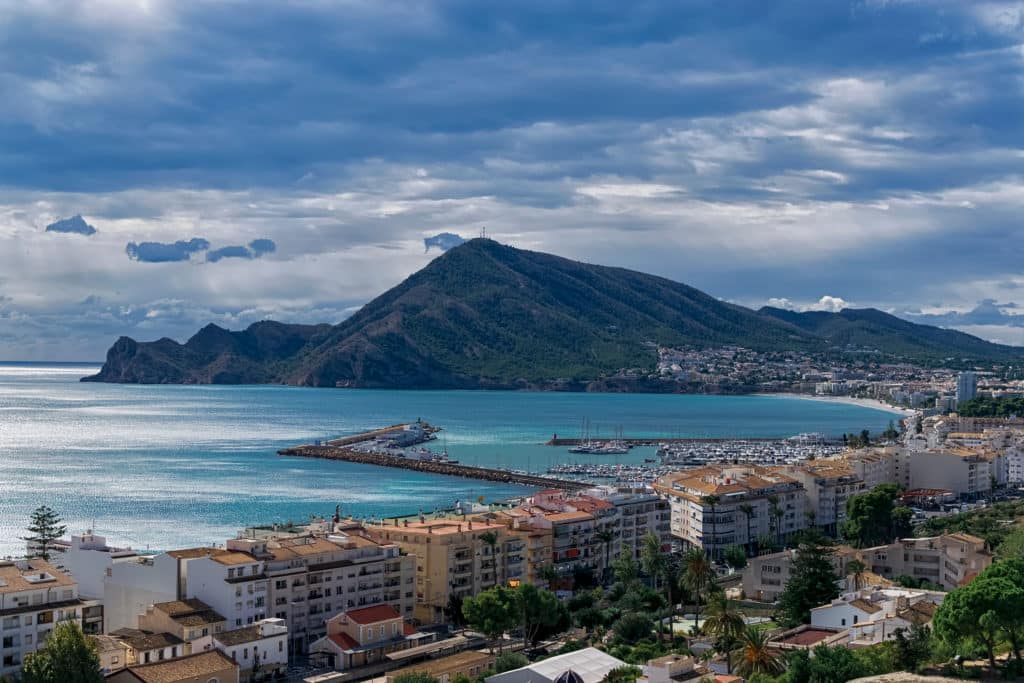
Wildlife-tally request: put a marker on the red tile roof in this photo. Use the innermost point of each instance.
(372, 615)
(343, 640)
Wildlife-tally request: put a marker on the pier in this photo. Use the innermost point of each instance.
(433, 467)
(359, 448)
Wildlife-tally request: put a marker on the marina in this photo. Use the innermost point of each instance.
(125, 458)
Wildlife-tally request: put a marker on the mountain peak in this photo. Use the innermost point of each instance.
(488, 315)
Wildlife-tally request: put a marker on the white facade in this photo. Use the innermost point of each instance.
(965, 472)
(130, 587)
(34, 597)
(232, 583)
(966, 386)
(265, 641)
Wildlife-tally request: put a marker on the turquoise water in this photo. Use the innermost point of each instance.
(171, 466)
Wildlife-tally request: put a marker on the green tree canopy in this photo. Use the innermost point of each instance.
(869, 517)
(982, 611)
(492, 612)
(622, 674)
(812, 581)
(45, 526)
(507, 661)
(415, 677)
(625, 568)
(67, 657)
(633, 627)
(540, 613)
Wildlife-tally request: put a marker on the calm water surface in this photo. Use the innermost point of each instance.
(169, 466)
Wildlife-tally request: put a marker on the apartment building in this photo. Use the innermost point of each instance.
(708, 505)
(454, 557)
(312, 578)
(873, 466)
(637, 512)
(34, 597)
(829, 484)
(188, 620)
(949, 561)
(231, 580)
(264, 645)
(765, 576)
(968, 473)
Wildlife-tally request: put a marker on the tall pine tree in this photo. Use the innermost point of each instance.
(812, 581)
(44, 528)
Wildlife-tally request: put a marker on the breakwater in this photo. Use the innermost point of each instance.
(431, 466)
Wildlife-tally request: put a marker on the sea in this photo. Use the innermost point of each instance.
(162, 467)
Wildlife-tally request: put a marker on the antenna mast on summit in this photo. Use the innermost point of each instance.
(483, 232)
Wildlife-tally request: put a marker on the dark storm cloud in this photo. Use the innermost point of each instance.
(75, 225)
(443, 241)
(158, 252)
(825, 148)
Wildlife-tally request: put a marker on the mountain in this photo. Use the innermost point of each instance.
(869, 328)
(484, 315)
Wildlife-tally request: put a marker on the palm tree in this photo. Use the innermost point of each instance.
(726, 624)
(754, 657)
(655, 565)
(490, 539)
(748, 511)
(698, 574)
(606, 537)
(711, 501)
(856, 569)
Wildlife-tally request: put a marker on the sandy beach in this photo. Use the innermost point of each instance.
(850, 400)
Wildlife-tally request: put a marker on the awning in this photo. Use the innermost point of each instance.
(458, 642)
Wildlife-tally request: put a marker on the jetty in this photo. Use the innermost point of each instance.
(367, 448)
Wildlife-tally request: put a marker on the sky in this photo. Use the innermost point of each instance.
(237, 161)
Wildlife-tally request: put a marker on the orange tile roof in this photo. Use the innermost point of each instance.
(343, 640)
(568, 516)
(14, 579)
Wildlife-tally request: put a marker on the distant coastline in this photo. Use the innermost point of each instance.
(848, 400)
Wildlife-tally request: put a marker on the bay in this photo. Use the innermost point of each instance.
(161, 467)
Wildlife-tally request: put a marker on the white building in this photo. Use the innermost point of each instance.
(709, 505)
(264, 644)
(232, 582)
(589, 664)
(966, 472)
(34, 597)
(966, 386)
(870, 605)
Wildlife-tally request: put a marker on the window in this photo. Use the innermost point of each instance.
(145, 657)
(231, 573)
(280, 585)
(245, 653)
(855, 618)
(115, 659)
(842, 622)
(280, 646)
(213, 680)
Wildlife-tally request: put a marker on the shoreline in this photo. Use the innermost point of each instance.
(848, 400)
